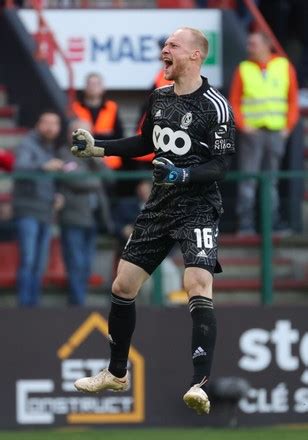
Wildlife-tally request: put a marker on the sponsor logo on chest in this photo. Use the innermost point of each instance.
(165, 139)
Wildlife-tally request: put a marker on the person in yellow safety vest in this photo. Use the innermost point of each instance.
(264, 97)
(101, 113)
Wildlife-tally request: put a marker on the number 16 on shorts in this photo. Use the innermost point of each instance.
(204, 238)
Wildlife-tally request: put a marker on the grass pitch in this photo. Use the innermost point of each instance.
(281, 433)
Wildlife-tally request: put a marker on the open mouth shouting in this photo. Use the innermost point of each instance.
(168, 63)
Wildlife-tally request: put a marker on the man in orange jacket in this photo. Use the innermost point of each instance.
(101, 113)
(264, 97)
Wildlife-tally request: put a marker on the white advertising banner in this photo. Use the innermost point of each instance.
(123, 44)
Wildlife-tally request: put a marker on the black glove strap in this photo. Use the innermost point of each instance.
(80, 144)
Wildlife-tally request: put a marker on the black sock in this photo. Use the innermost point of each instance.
(121, 324)
(203, 337)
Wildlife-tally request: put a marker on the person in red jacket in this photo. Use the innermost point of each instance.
(7, 160)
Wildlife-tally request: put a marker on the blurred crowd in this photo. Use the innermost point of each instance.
(69, 192)
(264, 94)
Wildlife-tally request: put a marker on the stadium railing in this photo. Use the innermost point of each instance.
(266, 238)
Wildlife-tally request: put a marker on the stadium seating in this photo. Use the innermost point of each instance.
(55, 275)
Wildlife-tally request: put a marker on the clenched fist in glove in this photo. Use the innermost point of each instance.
(83, 145)
(166, 173)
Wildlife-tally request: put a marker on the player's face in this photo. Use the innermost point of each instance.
(176, 54)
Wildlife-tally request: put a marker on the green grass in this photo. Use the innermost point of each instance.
(281, 433)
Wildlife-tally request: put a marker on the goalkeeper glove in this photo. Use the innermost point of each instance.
(83, 144)
(166, 173)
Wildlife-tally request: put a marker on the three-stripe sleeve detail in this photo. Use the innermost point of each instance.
(220, 104)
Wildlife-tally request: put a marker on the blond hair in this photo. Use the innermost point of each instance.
(200, 40)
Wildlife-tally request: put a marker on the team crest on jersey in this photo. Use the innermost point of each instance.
(221, 132)
(186, 121)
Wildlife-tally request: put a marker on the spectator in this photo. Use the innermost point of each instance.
(264, 96)
(33, 203)
(85, 211)
(102, 114)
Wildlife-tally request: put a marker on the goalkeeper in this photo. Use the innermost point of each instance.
(189, 125)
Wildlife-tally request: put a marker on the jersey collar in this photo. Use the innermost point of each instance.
(202, 89)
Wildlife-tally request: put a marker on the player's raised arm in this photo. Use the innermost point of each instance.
(84, 145)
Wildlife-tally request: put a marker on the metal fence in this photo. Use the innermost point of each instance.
(264, 210)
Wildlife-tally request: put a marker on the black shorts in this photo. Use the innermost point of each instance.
(153, 238)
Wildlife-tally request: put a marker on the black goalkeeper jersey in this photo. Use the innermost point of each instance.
(189, 130)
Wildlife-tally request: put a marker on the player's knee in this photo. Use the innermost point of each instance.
(198, 289)
(198, 286)
(121, 287)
